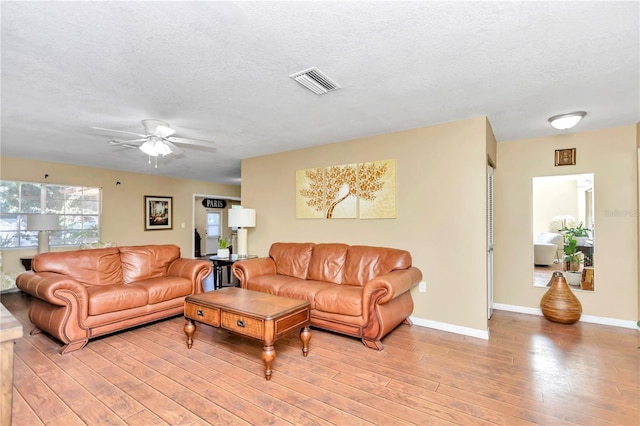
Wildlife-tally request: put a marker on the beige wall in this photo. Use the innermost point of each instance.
(638, 209)
(611, 155)
(122, 205)
(551, 199)
(441, 210)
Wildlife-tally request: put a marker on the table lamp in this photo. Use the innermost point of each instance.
(242, 218)
(43, 223)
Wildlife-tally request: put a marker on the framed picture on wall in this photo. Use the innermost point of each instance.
(565, 157)
(158, 213)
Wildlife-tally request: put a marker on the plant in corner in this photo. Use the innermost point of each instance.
(572, 260)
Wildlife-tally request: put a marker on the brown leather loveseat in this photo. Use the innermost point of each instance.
(78, 295)
(360, 291)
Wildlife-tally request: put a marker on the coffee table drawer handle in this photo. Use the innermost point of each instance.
(200, 313)
(240, 323)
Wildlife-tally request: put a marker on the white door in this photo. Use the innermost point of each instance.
(213, 231)
(489, 241)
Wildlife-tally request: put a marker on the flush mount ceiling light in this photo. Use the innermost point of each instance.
(566, 121)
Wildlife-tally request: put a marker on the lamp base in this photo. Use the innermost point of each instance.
(242, 242)
(43, 241)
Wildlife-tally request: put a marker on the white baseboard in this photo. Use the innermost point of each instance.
(586, 318)
(443, 326)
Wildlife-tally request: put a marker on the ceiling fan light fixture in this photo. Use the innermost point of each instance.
(566, 121)
(155, 148)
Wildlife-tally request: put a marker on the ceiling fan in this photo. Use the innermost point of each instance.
(158, 140)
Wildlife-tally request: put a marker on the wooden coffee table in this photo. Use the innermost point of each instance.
(261, 316)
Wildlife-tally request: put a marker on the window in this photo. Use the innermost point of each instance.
(213, 225)
(78, 207)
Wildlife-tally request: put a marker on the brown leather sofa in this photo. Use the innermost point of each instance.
(78, 295)
(359, 291)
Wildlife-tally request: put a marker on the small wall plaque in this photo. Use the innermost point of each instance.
(566, 157)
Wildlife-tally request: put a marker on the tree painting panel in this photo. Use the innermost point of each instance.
(310, 193)
(341, 191)
(377, 189)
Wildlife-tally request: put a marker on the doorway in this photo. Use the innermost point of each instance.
(199, 220)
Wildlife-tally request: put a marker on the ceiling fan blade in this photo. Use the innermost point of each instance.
(117, 142)
(126, 145)
(197, 142)
(120, 131)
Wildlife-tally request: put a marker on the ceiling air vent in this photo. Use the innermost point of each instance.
(315, 80)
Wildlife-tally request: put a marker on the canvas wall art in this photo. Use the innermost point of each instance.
(348, 191)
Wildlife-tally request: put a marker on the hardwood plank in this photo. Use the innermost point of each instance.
(529, 371)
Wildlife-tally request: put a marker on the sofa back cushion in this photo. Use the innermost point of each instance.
(364, 263)
(550, 238)
(93, 267)
(292, 259)
(327, 262)
(144, 262)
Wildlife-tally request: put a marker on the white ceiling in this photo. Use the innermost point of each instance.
(220, 71)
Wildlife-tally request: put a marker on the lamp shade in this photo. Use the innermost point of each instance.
(43, 222)
(566, 121)
(242, 218)
(155, 147)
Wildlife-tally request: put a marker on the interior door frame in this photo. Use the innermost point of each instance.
(490, 237)
(193, 215)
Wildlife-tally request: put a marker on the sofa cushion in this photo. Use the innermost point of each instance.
(292, 259)
(269, 283)
(340, 299)
(365, 263)
(327, 262)
(165, 288)
(115, 297)
(144, 262)
(303, 289)
(93, 267)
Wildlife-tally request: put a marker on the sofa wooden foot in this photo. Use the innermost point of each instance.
(373, 344)
(35, 331)
(407, 321)
(73, 346)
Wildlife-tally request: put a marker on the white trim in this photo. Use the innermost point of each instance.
(472, 332)
(585, 318)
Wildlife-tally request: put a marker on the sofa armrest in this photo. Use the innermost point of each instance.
(193, 269)
(244, 270)
(48, 286)
(393, 285)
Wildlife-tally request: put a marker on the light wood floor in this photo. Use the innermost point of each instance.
(542, 274)
(530, 371)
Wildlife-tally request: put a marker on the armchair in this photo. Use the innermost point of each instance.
(545, 248)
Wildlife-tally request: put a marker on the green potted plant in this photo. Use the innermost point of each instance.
(572, 260)
(223, 246)
(580, 233)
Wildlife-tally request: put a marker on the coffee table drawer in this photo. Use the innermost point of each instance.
(203, 314)
(242, 325)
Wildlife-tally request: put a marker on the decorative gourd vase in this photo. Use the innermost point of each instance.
(559, 304)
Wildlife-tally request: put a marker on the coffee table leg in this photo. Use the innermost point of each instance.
(268, 355)
(305, 336)
(189, 330)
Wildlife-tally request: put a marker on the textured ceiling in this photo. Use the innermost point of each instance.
(220, 71)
